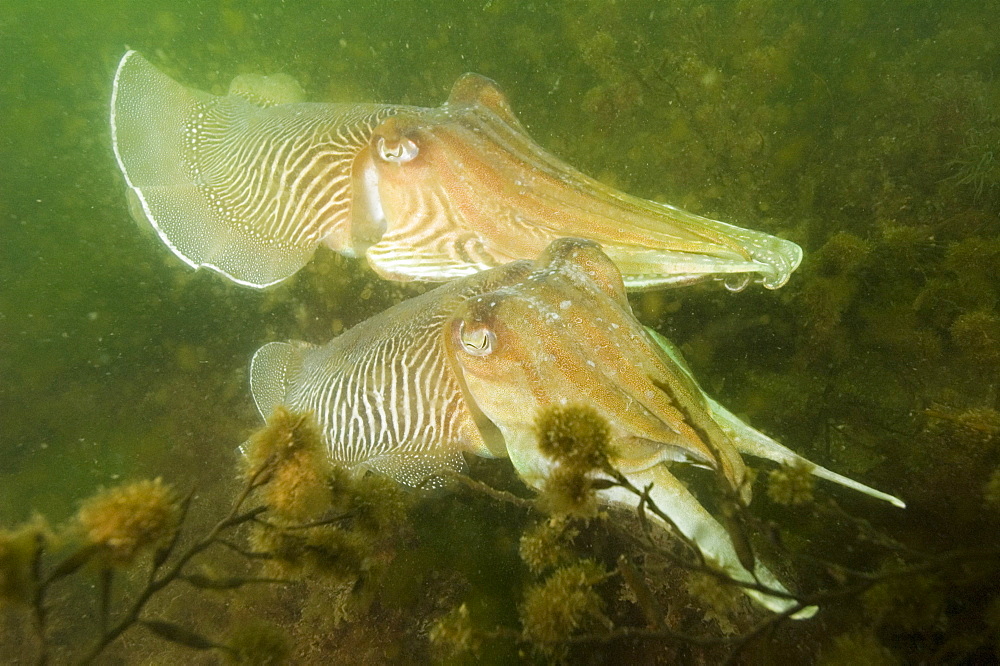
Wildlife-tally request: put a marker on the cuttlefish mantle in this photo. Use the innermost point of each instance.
(467, 368)
(250, 183)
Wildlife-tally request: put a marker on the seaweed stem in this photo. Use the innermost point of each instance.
(158, 582)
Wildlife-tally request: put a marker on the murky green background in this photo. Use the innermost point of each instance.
(866, 131)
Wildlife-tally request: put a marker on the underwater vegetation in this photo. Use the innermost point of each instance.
(294, 513)
(571, 604)
(866, 132)
(296, 520)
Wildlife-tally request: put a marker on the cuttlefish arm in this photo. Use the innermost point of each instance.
(250, 183)
(750, 441)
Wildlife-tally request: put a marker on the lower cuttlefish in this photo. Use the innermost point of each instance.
(467, 367)
(250, 183)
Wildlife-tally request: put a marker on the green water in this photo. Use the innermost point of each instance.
(865, 131)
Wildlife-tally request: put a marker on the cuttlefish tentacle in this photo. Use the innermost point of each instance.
(250, 183)
(467, 368)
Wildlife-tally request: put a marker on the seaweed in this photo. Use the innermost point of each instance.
(303, 513)
(571, 605)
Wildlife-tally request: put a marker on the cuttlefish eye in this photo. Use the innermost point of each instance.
(477, 342)
(399, 150)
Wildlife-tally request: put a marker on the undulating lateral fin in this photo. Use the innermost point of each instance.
(156, 125)
(755, 443)
(417, 470)
(246, 189)
(269, 375)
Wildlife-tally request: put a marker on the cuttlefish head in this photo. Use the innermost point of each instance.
(468, 175)
(564, 333)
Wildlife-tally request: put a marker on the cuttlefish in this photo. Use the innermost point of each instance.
(467, 367)
(250, 183)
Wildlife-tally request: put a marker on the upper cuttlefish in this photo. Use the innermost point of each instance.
(250, 183)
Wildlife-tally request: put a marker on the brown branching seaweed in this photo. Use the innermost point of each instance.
(668, 597)
(289, 492)
(118, 524)
(885, 593)
(112, 530)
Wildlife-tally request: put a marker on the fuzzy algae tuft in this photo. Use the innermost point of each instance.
(977, 335)
(577, 439)
(575, 436)
(564, 603)
(323, 519)
(791, 484)
(546, 545)
(719, 599)
(125, 520)
(453, 634)
(291, 448)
